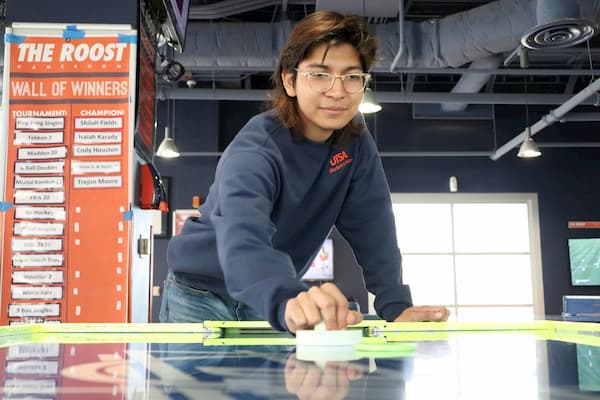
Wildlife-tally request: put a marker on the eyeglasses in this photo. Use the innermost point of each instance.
(324, 81)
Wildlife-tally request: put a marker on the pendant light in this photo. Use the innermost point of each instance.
(167, 148)
(369, 103)
(528, 149)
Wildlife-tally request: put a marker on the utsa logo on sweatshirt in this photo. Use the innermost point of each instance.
(339, 161)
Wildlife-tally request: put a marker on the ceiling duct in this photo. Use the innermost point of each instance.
(559, 25)
(453, 41)
(457, 39)
(375, 9)
(228, 8)
(472, 83)
(233, 46)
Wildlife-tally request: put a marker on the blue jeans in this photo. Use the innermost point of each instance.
(184, 303)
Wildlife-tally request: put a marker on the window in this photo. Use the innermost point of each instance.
(477, 254)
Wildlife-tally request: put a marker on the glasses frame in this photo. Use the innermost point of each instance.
(309, 75)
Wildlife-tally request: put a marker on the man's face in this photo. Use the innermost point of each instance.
(323, 112)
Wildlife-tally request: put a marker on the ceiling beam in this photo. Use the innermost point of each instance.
(383, 97)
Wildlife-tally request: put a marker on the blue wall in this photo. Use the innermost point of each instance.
(565, 179)
(73, 11)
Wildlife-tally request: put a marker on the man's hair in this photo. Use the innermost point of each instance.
(321, 27)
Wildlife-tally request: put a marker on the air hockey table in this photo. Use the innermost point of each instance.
(248, 360)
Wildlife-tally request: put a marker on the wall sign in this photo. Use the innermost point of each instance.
(584, 224)
(68, 99)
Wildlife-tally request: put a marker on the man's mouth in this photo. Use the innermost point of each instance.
(334, 109)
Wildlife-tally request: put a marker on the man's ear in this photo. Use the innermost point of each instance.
(288, 82)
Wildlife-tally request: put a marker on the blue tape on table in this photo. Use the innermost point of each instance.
(12, 38)
(71, 32)
(122, 38)
(4, 206)
(127, 215)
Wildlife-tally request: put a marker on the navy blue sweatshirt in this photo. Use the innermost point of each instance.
(272, 204)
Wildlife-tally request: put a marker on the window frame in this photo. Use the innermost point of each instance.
(531, 201)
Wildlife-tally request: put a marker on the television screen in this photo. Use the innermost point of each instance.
(588, 368)
(584, 260)
(321, 269)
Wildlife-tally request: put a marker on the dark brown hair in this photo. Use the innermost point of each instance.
(321, 27)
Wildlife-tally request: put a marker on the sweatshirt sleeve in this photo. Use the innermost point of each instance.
(367, 222)
(255, 272)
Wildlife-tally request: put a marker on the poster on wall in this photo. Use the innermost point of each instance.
(179, 217)
(67, 106)
(583, 224)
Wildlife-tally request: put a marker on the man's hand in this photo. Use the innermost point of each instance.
(308, 381)
(325, 303)
(424, 313)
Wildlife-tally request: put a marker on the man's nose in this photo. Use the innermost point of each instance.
(337, 89)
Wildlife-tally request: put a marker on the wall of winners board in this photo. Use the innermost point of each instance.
(67, 104)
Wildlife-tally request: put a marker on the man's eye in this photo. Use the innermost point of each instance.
(354, 77)
(320, 75)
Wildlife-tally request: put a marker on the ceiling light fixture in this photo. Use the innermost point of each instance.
(167, 148)
(369, 103)
(528, 149)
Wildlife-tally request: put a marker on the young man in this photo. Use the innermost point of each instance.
(287, 178)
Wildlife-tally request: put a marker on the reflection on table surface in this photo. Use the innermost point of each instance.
(73, 363)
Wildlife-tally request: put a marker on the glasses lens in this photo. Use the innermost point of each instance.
(320, 82)
(354, 83)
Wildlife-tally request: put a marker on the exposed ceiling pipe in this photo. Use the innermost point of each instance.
(227, 8)
(244, 46)
(557, 25)
(228, 72)
(370, 9)
(551, 117)
(212, 94)
(472, 83)
(552, 10)
(400, 35)
(459, 38)
(383, 97)
(420, 154)
(452, 41)
(580, 117)
(507, 72)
